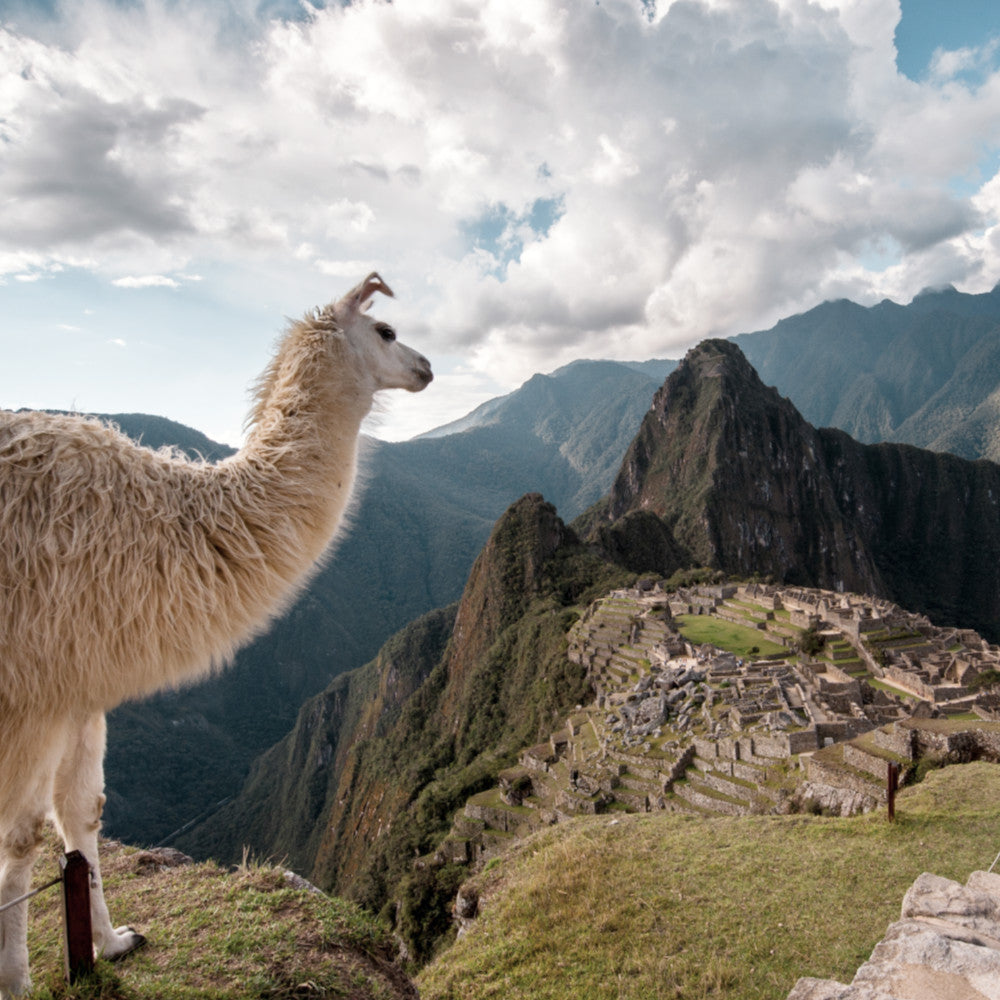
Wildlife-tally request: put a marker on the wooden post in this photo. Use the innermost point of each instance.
(76, 915)
(892, 782)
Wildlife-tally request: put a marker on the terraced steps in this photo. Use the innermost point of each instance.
(707, 798)
(685, 727)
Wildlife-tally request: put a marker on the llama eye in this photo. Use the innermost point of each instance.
(385, 331)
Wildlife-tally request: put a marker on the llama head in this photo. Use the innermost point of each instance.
(373, 346)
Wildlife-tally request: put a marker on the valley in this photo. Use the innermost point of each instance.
(921, 373)
(518, 706)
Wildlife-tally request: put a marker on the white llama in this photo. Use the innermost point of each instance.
(124, 570)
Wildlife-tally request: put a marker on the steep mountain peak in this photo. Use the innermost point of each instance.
(726, 473)
(712, 405)
(720, 359)
(505, 577)
(716, 351)
(736, 480)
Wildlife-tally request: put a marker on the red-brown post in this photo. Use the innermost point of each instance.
(892, 782)
(76, 915)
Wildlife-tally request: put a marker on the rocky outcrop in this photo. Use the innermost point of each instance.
(945, 945)
(734, 478)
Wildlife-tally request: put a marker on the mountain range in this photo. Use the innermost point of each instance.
(724, 473)
(925, 374)
(430, 503)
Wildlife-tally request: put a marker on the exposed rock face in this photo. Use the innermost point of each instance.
(731, 476)
(833, 800)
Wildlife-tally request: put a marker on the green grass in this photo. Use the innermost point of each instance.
(215, 935)
(738, 639)
(892, 689)
(658, 906)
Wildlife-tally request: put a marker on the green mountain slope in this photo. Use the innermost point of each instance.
(425, 510)
(922, 373)
(375, 765)
(661, 906)
(725, 473)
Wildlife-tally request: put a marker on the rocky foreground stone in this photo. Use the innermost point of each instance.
(945, 946)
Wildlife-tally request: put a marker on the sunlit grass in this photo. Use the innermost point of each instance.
(670, 906)
(215, 935)
(737, 639)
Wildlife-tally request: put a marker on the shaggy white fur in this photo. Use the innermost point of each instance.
(124, 570)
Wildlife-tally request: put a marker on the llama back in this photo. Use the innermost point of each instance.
(124, 570)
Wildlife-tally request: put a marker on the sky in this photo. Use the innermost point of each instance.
(538, 180)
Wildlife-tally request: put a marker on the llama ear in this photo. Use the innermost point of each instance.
(358, 298)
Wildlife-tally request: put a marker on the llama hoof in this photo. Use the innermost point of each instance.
(126, 941)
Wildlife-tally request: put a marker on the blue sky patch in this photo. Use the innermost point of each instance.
(501, 232)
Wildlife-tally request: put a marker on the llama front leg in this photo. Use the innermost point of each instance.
(78, 798)
(19, 846)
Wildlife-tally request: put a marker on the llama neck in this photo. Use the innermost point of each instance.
(300, 457)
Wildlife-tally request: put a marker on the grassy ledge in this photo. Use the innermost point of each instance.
(217, 934)
(657, 906)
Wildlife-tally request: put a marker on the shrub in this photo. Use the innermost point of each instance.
(986, 680)
(810, 642)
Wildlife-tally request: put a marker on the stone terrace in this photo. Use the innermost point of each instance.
(677, 726)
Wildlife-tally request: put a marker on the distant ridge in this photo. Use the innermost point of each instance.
(159, 432)
(927, 373)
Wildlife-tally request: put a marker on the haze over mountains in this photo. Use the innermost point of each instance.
(923, 369)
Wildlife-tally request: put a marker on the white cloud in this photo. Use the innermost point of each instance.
(346, 269)
(715, 166)
(146, 281)
(970, 62)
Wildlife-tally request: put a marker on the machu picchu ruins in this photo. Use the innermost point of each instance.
(839, 689)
